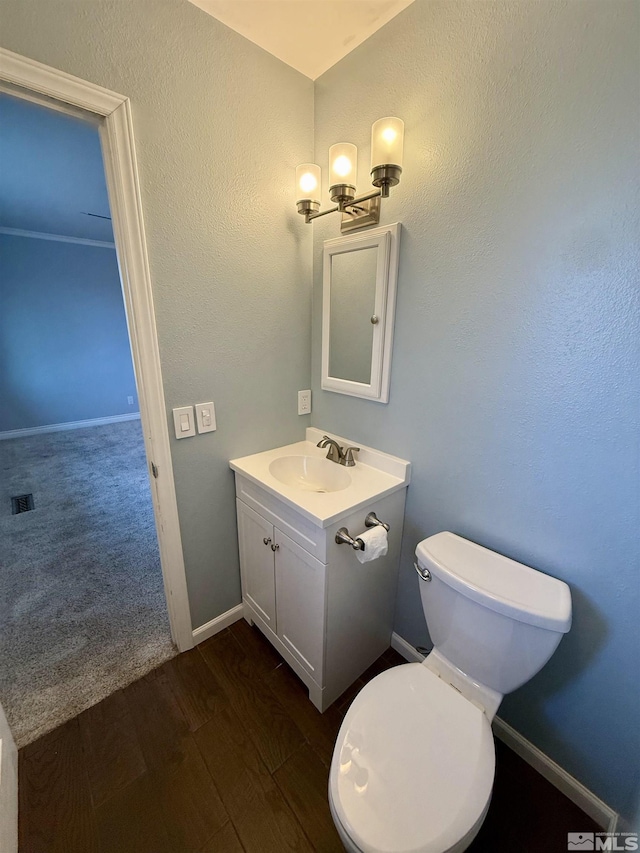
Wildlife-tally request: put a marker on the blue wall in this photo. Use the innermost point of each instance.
(52, 174)
(515, 386)
(64, 348)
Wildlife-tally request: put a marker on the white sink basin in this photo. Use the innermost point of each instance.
(322, 491)
(310, 474)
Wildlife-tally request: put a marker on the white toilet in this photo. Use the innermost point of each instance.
(413, 765)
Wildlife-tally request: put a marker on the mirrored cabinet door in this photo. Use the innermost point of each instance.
(352, 313)
(359, 288)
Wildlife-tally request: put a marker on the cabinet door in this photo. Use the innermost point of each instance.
(300, 580)
(256, 563)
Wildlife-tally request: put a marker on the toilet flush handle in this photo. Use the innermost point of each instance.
(424, 574)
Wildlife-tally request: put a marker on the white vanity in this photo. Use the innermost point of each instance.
(329, 615)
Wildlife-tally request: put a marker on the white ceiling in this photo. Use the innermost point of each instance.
(309, 35)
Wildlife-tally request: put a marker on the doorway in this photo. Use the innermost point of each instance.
(30, 81)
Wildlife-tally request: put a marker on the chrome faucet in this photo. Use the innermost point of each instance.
(341, 455)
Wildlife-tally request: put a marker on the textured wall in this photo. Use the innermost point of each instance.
(515, 381)
(220, 125)
(64, 348)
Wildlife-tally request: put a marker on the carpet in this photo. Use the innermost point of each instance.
(82, 605)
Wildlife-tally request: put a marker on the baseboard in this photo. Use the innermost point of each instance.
(574, 790)
(218, 624)
(112, 419)
(405, 649)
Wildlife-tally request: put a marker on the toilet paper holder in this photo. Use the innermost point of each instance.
(344, 538)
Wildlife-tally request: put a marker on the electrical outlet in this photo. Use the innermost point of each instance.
(130, 401)
(304, 402)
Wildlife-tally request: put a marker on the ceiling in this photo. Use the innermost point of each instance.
(51, 173)
(309, 35)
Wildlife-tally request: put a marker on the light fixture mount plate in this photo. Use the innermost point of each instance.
(363, 214)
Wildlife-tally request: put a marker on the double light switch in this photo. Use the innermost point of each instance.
(184, 420)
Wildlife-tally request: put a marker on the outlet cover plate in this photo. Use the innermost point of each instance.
(304, 402)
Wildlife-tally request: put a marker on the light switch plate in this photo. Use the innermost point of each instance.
(184, 422)
(205, 417)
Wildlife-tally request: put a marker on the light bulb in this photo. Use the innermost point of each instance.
(308, 182)
(342, 166)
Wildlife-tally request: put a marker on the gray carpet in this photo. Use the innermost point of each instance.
(82, 606)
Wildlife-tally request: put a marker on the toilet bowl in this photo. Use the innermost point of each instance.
(404, 721)
(414, 761)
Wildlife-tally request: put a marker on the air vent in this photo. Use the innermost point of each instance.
(21, 503)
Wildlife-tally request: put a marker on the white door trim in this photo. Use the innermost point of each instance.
(116, 132)
(8, 788)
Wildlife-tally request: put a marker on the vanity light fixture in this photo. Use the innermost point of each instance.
(387, 139)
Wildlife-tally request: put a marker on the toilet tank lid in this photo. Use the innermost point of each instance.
(496, 582)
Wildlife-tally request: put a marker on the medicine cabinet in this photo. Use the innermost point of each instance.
(359, 284)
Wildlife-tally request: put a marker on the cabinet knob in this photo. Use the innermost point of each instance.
(274, 547)
(266, 540)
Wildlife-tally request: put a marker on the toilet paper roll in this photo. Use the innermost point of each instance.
(376, 544)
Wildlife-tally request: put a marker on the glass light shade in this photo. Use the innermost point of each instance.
(343, 163)
(308, 179)
(387, 142)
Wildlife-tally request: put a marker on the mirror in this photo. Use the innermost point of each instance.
(359, 292)
(353, 297)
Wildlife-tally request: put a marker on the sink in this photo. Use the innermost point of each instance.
(323, 492)
(310, 474)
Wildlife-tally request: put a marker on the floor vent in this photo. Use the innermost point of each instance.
(21, 503)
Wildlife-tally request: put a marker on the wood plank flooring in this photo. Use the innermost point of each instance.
(221, 751)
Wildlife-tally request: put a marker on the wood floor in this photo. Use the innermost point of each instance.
(220, 751)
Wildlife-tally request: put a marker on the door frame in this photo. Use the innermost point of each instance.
(57, 89)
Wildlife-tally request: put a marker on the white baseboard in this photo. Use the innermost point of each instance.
(218, 624)
(405, 649)
(112, 419)
(574, 790)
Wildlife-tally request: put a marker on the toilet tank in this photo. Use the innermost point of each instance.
(493, 618)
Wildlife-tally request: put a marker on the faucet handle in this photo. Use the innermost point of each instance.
(347, 456)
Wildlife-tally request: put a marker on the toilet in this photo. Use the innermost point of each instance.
(413, 765)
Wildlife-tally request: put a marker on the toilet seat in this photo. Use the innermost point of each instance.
(413, 765)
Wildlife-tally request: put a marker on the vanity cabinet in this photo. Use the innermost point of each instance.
(271, 561)
(328, 615)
